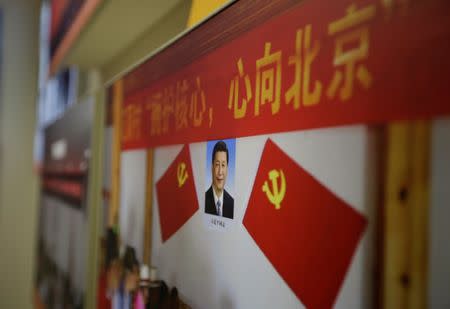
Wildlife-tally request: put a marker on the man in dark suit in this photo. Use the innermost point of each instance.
(217, 200)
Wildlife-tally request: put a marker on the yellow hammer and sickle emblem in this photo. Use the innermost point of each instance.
(182, 174)
(275, 196)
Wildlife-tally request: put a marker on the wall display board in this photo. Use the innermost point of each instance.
(63, 218)
(263, 167)
(317, 230)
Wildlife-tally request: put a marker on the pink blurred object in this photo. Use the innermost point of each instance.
(139, 301)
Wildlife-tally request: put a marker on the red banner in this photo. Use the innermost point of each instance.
(177, 199)
(306, 232)
(68, 188)
(320, 64)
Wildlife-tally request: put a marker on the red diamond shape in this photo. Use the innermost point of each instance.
(177, 199)
(311, 238)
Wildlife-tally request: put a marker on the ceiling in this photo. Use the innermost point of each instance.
(115, 25)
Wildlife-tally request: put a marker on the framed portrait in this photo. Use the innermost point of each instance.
(219, 203)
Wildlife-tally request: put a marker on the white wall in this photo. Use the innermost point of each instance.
(132, 199)
(64, 233)
(214, 269)
(18, 192)
(439, 257)
(170, 25)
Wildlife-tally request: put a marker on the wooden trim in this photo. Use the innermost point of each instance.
(406, 216)
(420, 207)
(109, 106)
(379, 215)
(148, 208)
(395, 220)
(116, 150)
(86, 12)
(95, 201)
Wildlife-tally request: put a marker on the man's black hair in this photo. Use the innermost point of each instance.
(129, 258)
(219, 146)
(112, 249)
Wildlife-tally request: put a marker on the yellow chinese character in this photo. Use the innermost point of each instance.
(210, 116)
(167, 108)
(233, 98)
(155, 108)
(181, 105)
(198, 105)
(301, 81)
(127, 120)
(136, 122)
(268, 80)
(132, 121)
(358, 37)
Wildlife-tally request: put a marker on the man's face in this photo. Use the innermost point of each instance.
(219, 170)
